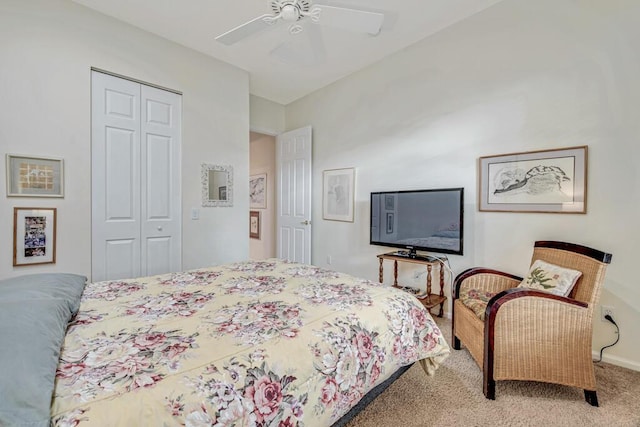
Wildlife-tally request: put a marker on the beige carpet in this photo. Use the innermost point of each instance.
(453, 397)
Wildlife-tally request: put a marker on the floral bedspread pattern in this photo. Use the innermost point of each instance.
(263, 343)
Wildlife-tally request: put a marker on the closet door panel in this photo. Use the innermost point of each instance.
(161, 172)
(115, 184)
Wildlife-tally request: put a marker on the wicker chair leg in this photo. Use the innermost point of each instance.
(456, 343)
(591, 397)
(489, 388)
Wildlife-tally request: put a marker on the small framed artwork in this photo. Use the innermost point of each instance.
(389, 202)
(32, 176)
(338, 186)
(536, 181)
(254, 224)
(390, 222)
(34, 236)
(258, 191)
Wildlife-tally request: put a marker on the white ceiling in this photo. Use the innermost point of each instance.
(196, 23)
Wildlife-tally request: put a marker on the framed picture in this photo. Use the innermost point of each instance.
(254, 224)
(389, 202)
(34, 236)
(32, 176)
(258, 191)
(338, 187)
(390, 222)
(535, 181)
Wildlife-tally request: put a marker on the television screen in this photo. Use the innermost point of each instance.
(424, 220)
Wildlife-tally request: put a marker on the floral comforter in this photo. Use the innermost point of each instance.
(266, 343)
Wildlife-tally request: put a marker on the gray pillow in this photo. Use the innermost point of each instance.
(66, 286)
(34, 313)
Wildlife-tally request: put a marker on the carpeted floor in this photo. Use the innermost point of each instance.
(453, 397)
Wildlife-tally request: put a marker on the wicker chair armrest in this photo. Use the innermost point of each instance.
(508, 295)
(524, 324)
(484, 279)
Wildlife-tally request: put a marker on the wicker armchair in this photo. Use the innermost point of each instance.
(522, 325)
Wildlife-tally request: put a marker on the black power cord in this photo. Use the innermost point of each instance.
(610, 319)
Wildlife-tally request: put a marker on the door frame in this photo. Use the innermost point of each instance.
(275, 134)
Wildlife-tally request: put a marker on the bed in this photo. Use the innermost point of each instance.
(255, 343)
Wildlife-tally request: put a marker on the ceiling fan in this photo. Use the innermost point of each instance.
(294, 12)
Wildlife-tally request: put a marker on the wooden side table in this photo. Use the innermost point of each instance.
(430, 300)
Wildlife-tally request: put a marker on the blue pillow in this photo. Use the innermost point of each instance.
(34, 313)
(66, 286)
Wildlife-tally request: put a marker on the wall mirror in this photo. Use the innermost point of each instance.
(217, 185)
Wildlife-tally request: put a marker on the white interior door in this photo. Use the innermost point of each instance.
(135, 186)
(160, 212)
(293, 223)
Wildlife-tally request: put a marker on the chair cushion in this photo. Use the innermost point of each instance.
(476, 300)
(550, 278)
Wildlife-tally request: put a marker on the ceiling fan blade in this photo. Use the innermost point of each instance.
(350, 19)
(245, 30)
(305, 49)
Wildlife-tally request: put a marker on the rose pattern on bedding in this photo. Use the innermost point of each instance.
(85, 318)
(350, 359)
(254, 285)
(257, 322)
(190, 278)
(165, 304)
(127, 360)
(71, 419)
(311, 271)
(366, 282)
(337, 295)
(256, 395)
(414, 331)
(252, 266)
(183, 346)
(109, 291)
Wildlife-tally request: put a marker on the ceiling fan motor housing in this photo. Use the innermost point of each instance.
(290, 10)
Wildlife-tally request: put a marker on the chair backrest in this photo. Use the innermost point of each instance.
(591, 262)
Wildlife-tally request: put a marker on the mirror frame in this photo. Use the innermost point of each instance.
(206, 201)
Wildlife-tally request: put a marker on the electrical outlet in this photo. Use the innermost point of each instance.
(606, 309)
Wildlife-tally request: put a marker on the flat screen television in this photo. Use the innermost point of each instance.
(418, 220)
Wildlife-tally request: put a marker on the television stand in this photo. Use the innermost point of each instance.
(430, 300)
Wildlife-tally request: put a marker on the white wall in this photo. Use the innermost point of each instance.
(519, 76)
(267, 117)
(47, 48)
(262, 159)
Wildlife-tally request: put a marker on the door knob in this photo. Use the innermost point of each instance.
(159, 228)
(306, 222)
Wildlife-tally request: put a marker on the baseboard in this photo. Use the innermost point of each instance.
(618, 361)
(614, 360)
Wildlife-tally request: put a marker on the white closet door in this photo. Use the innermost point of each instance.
(135, 179)
(160, 178)
(115, 185)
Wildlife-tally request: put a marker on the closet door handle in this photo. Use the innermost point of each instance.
(159, 228)
(306, 222)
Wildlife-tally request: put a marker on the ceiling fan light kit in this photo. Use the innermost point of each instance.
(294, 11)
